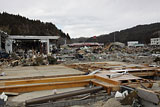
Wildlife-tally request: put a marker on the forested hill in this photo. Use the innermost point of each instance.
(141, 33)
(18, 25)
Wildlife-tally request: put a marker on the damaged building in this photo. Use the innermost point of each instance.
(42, 44)
(13, 43)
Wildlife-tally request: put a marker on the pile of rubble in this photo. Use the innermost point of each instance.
(29, 59)
(137, 55)
(66, 54)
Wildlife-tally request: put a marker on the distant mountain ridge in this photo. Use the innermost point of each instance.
(141, 33)
(18, 25)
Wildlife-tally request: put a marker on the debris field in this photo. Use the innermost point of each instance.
(113, 75)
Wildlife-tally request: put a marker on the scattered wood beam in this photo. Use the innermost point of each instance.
(43, 86)
(47, 80)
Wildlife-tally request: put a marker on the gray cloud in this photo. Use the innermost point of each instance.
(87, 17)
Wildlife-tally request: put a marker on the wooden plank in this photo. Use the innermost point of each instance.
(48, 80)
(53, 83)
(107, 86)
(43, 86)
(38, 77)
(106, 80)
(141, 74)
(135, 85)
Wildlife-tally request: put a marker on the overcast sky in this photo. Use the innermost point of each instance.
(87, 18)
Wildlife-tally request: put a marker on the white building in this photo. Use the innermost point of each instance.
(132, 43)
(155, 41)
